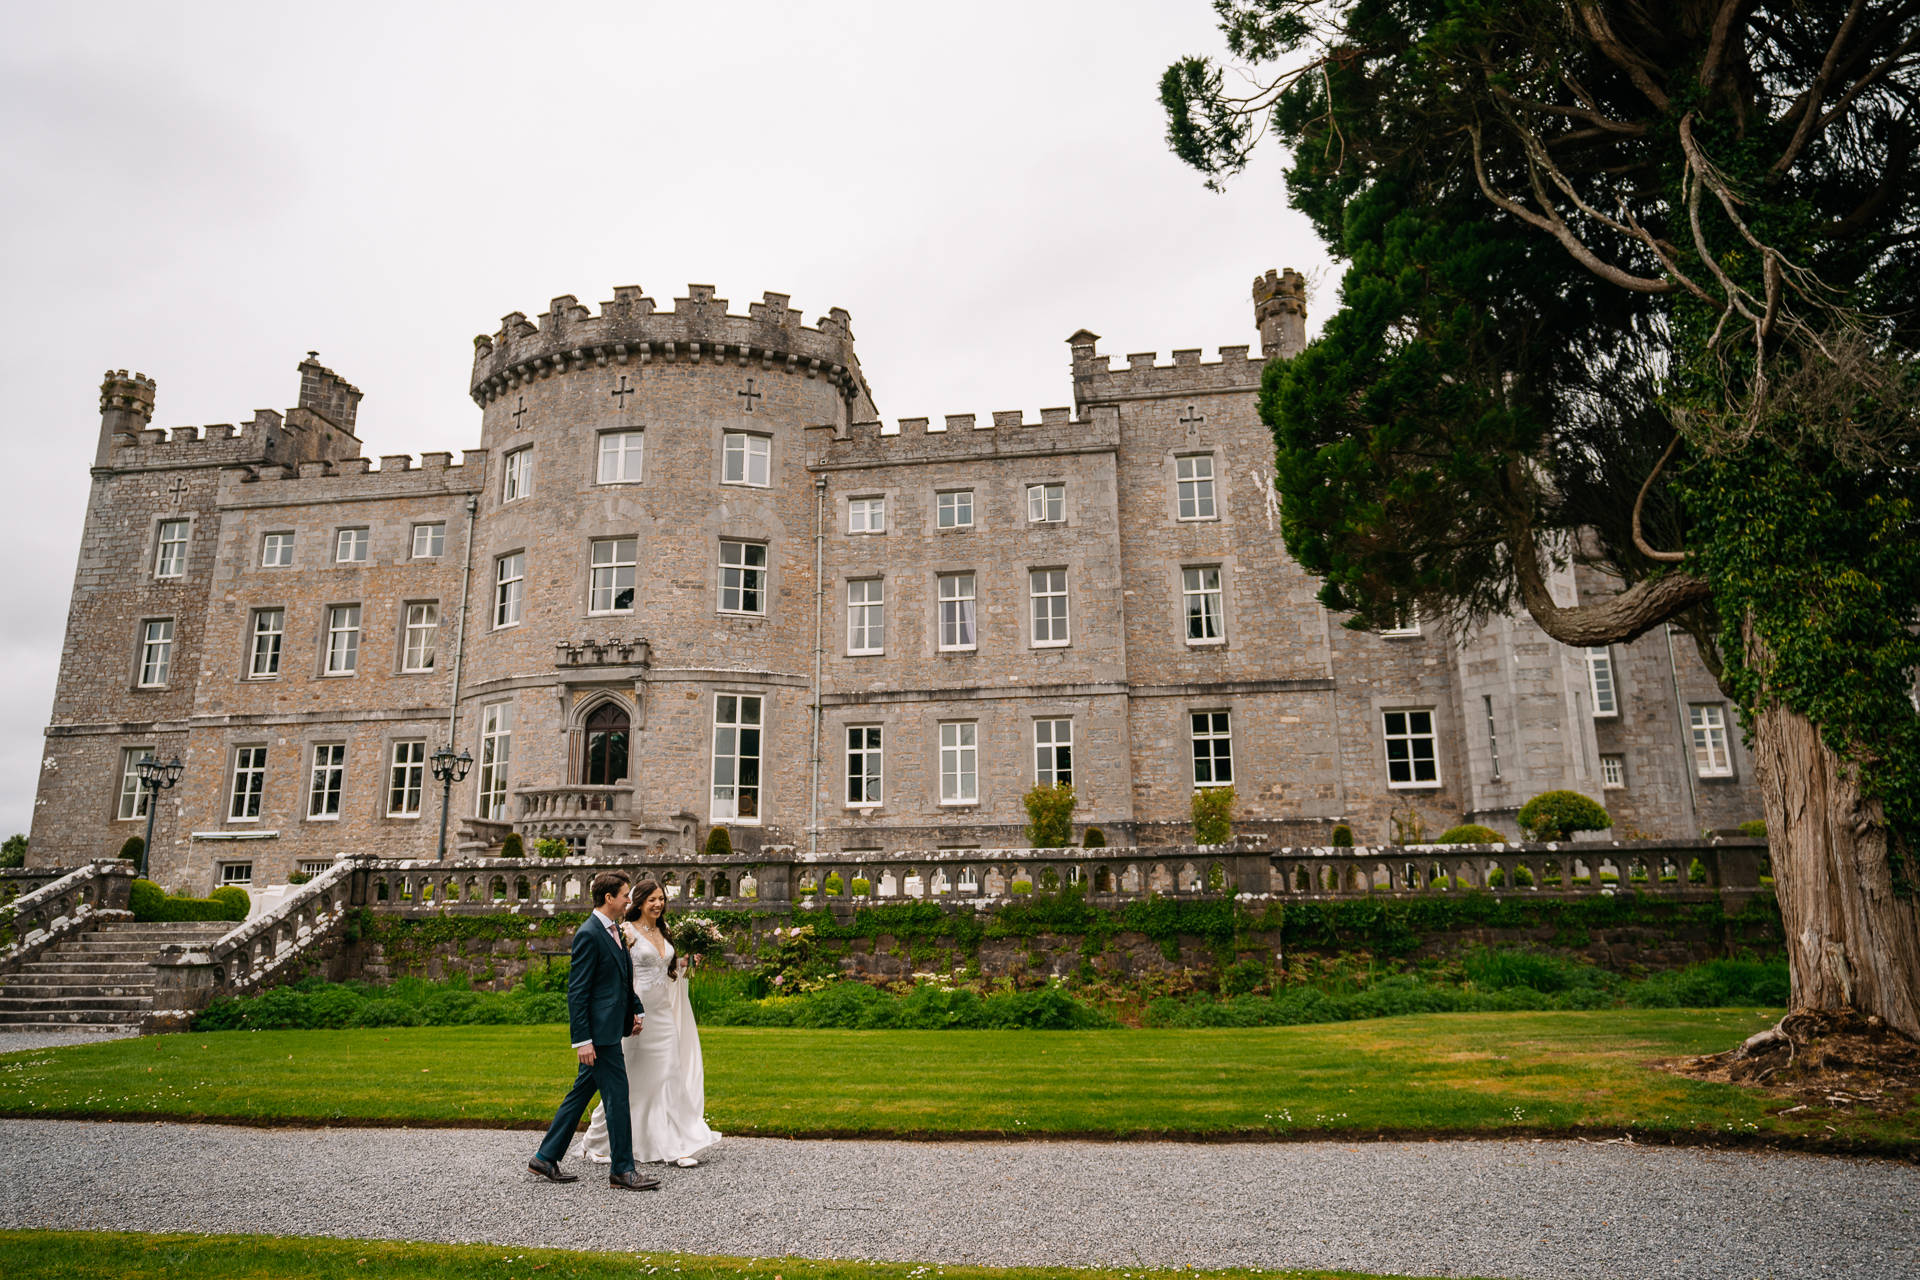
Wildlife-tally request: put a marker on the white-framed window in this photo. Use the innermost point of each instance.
(864, 764)
(133, 792)
(866, 515)
(1409, 625)
(276, 551)
(1212, 748)
(1193, 480)
(1053, 753)
(743, 576)
(1046, 503)
(171, 562)
(1613, 772)
(1412, 758)
(1200, 590)
(1600, 681)
(612, 568)
(249, 784)
(328, 777)
(621, 456)
(406, 779)
(429, 540)
(1493, 735)
(423, 637)
(496, 759)
(156, 652)
(736, 757)
(956, 611)
(959, 762)
(510, 580)
(1710, 755)
(269, 633)
(314, 866)
(240, 873)
(866, 616)
(1048, 591)
(745, 459)
(518, 481)
(343, 640)
(350, 546)
(954, 510)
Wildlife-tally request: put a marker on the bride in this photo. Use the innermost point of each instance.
(666, 1081)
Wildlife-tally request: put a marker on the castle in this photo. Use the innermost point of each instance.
(688, 578)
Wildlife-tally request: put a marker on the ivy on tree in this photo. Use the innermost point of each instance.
(1631, 286)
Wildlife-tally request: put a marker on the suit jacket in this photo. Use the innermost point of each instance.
(601, 1001)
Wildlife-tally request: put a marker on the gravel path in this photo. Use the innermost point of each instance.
(23, 1041)
(1544, 1209)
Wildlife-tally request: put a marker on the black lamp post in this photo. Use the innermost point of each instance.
(155, 777)
(448, 769)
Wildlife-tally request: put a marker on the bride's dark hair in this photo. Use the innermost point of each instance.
(641, 892)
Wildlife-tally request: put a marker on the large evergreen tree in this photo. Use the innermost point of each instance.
(1633, 284)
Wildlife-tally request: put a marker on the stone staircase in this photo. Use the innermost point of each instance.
(97, 980)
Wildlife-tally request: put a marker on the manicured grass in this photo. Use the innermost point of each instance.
(1522, 1072)
(113, 1255)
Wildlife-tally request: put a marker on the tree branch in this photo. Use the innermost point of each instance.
(1620, 56)
(1809, 105)
(1639, 539)
(1626, 617)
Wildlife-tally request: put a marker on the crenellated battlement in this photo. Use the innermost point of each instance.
(629, 328)
(963, 437)
(1095, 381)
(353, 479)
(319, 427)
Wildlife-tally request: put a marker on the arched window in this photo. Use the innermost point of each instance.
(607, 729)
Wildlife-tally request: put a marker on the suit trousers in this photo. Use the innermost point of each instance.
(608, 1078)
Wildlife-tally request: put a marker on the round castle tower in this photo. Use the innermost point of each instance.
(642, 602)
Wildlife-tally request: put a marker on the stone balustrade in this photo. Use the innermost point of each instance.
(70, 902)
(186, 977)
(584, 815)
(15, 881)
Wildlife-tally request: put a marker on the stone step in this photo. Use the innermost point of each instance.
(57, 1020)
(84, 968)
(91, 991)
(81, 949)
(31, 1028)
(66, 1006)
(159, 933)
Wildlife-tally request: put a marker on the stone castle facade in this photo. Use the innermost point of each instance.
(684, 530)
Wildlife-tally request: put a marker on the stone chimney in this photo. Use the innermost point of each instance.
(327, 393)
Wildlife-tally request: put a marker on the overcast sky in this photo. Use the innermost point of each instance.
(205, 192)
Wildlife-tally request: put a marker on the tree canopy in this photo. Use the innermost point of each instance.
(1628, 284)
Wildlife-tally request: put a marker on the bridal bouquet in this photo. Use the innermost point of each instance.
(695, 936)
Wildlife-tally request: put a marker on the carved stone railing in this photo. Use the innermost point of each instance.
(187, 976)
(69, 904)
(15, 881)
(584, 815)
(1675, 867)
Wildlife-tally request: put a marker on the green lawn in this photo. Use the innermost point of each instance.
(1434, 1072)
(107, 1255)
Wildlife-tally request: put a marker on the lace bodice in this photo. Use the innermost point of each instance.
(649, 967)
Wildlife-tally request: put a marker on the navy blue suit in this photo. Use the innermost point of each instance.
(601, 1006)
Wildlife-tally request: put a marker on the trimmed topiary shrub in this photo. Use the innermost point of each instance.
(146, 900)
(132, 849)
(1342, 836)
(1050, 816)
(548, 847)
(1556, 815)
(1470, 833)
(1757, 828)
(862, 886)
(1094, 839)
(235, 899)
(834, 884)
(298, 877)
(513, 846)
(719, 843)
(1213, 815)
(1522, 878)
(1022, 886)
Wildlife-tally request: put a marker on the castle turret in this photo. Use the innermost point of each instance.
(1280, 311)
(327, 393)
(126, 407)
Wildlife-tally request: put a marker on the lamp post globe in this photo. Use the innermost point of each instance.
(448, 769)
(155, 777)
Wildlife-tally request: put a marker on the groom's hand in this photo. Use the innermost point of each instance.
(586, 1055)
(633, 1029)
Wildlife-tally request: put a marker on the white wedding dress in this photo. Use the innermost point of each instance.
(666, 1080)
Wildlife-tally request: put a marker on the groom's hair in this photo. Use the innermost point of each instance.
(608, 883)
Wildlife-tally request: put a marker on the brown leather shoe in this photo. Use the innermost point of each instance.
(631, 1181)
(550, 1170)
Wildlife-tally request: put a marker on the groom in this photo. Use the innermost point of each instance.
(602, 1009)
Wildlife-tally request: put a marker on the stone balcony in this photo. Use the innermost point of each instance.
(582, 814)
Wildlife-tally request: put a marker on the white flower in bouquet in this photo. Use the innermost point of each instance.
(696, 936)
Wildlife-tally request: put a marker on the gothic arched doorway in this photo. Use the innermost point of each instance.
(607, 736)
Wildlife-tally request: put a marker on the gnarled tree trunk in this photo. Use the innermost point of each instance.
(1851, 943)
